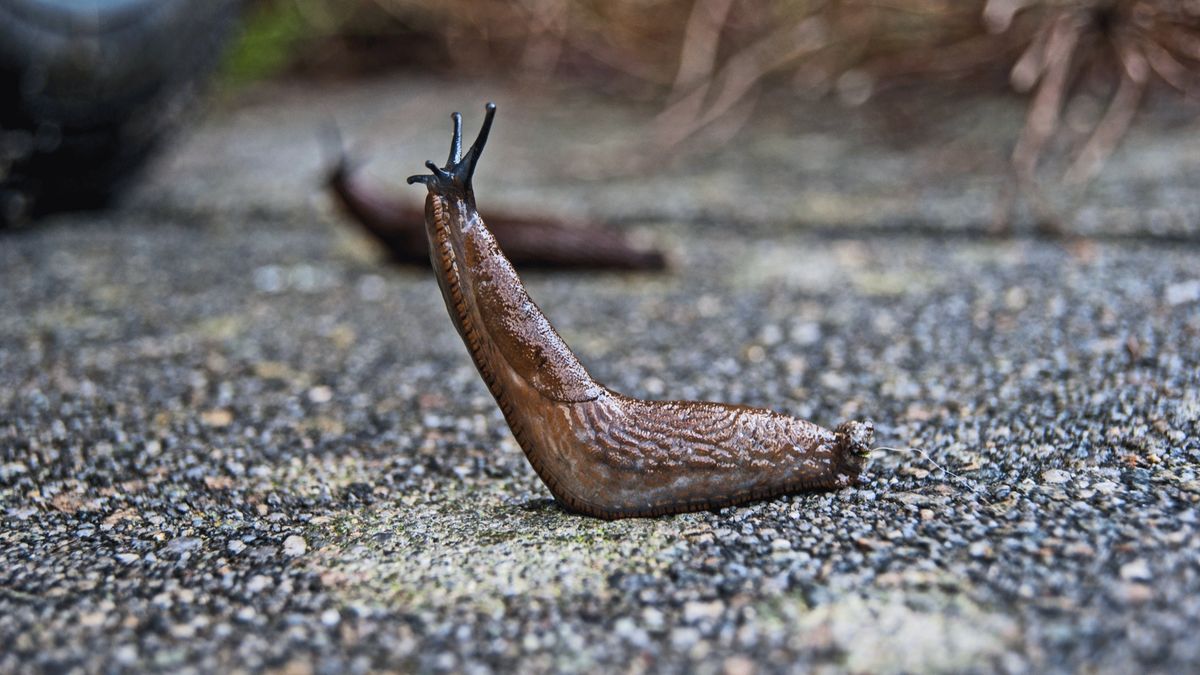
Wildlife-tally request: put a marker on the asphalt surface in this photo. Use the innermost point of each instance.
(232, 437)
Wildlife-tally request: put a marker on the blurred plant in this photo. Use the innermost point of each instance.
(270, 34)
(1073, 43)
(848, 46)
(706, 61)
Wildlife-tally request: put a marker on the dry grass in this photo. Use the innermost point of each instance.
(707, 61)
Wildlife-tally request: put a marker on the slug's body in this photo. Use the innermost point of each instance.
(601, 453)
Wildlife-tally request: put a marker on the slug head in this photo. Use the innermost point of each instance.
(854, 444)
(454, 179)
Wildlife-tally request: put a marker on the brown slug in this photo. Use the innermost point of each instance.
(529, 242)
(601, 453)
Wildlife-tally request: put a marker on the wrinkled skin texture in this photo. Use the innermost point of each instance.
(601, 453)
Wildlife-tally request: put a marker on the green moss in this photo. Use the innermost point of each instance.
(478, 548)
(271, 35)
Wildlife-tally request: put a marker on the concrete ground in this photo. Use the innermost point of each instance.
(232, 437)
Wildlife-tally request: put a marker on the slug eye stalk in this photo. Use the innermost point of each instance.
(601, 453)
(455, 178)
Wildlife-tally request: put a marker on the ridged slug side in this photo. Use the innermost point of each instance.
(601, 453)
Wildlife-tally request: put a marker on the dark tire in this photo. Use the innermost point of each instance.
(86, 94)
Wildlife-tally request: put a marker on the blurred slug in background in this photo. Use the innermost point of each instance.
(599, 452)
(531, 242)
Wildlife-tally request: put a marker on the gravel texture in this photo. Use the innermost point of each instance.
(232, 438)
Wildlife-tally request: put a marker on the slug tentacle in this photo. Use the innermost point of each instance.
(599, 452)
(455, 142)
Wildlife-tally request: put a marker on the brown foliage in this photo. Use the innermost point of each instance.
(707, 60)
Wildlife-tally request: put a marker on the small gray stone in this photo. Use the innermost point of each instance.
(980, 549)
(696, 611)
(1136, 570)
(294, 545)
(183, 545)
(1056, 476)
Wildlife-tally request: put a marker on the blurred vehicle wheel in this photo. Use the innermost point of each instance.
(88, 89)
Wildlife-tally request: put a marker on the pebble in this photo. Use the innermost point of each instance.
(258, 583)
(23, 513)
(653, 618)
(1056, 476)
(980, 549)
(183, 545)
(684, 638)
(1136, 593)
(294, 545)
(1136, 570)
(1182, 292)
(738, 665)
(910, 498)
(697, 611)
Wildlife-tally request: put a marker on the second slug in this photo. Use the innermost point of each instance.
(601, 453)
(530, 242)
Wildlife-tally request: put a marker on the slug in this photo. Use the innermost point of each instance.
(529, 242)
(601, 453)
